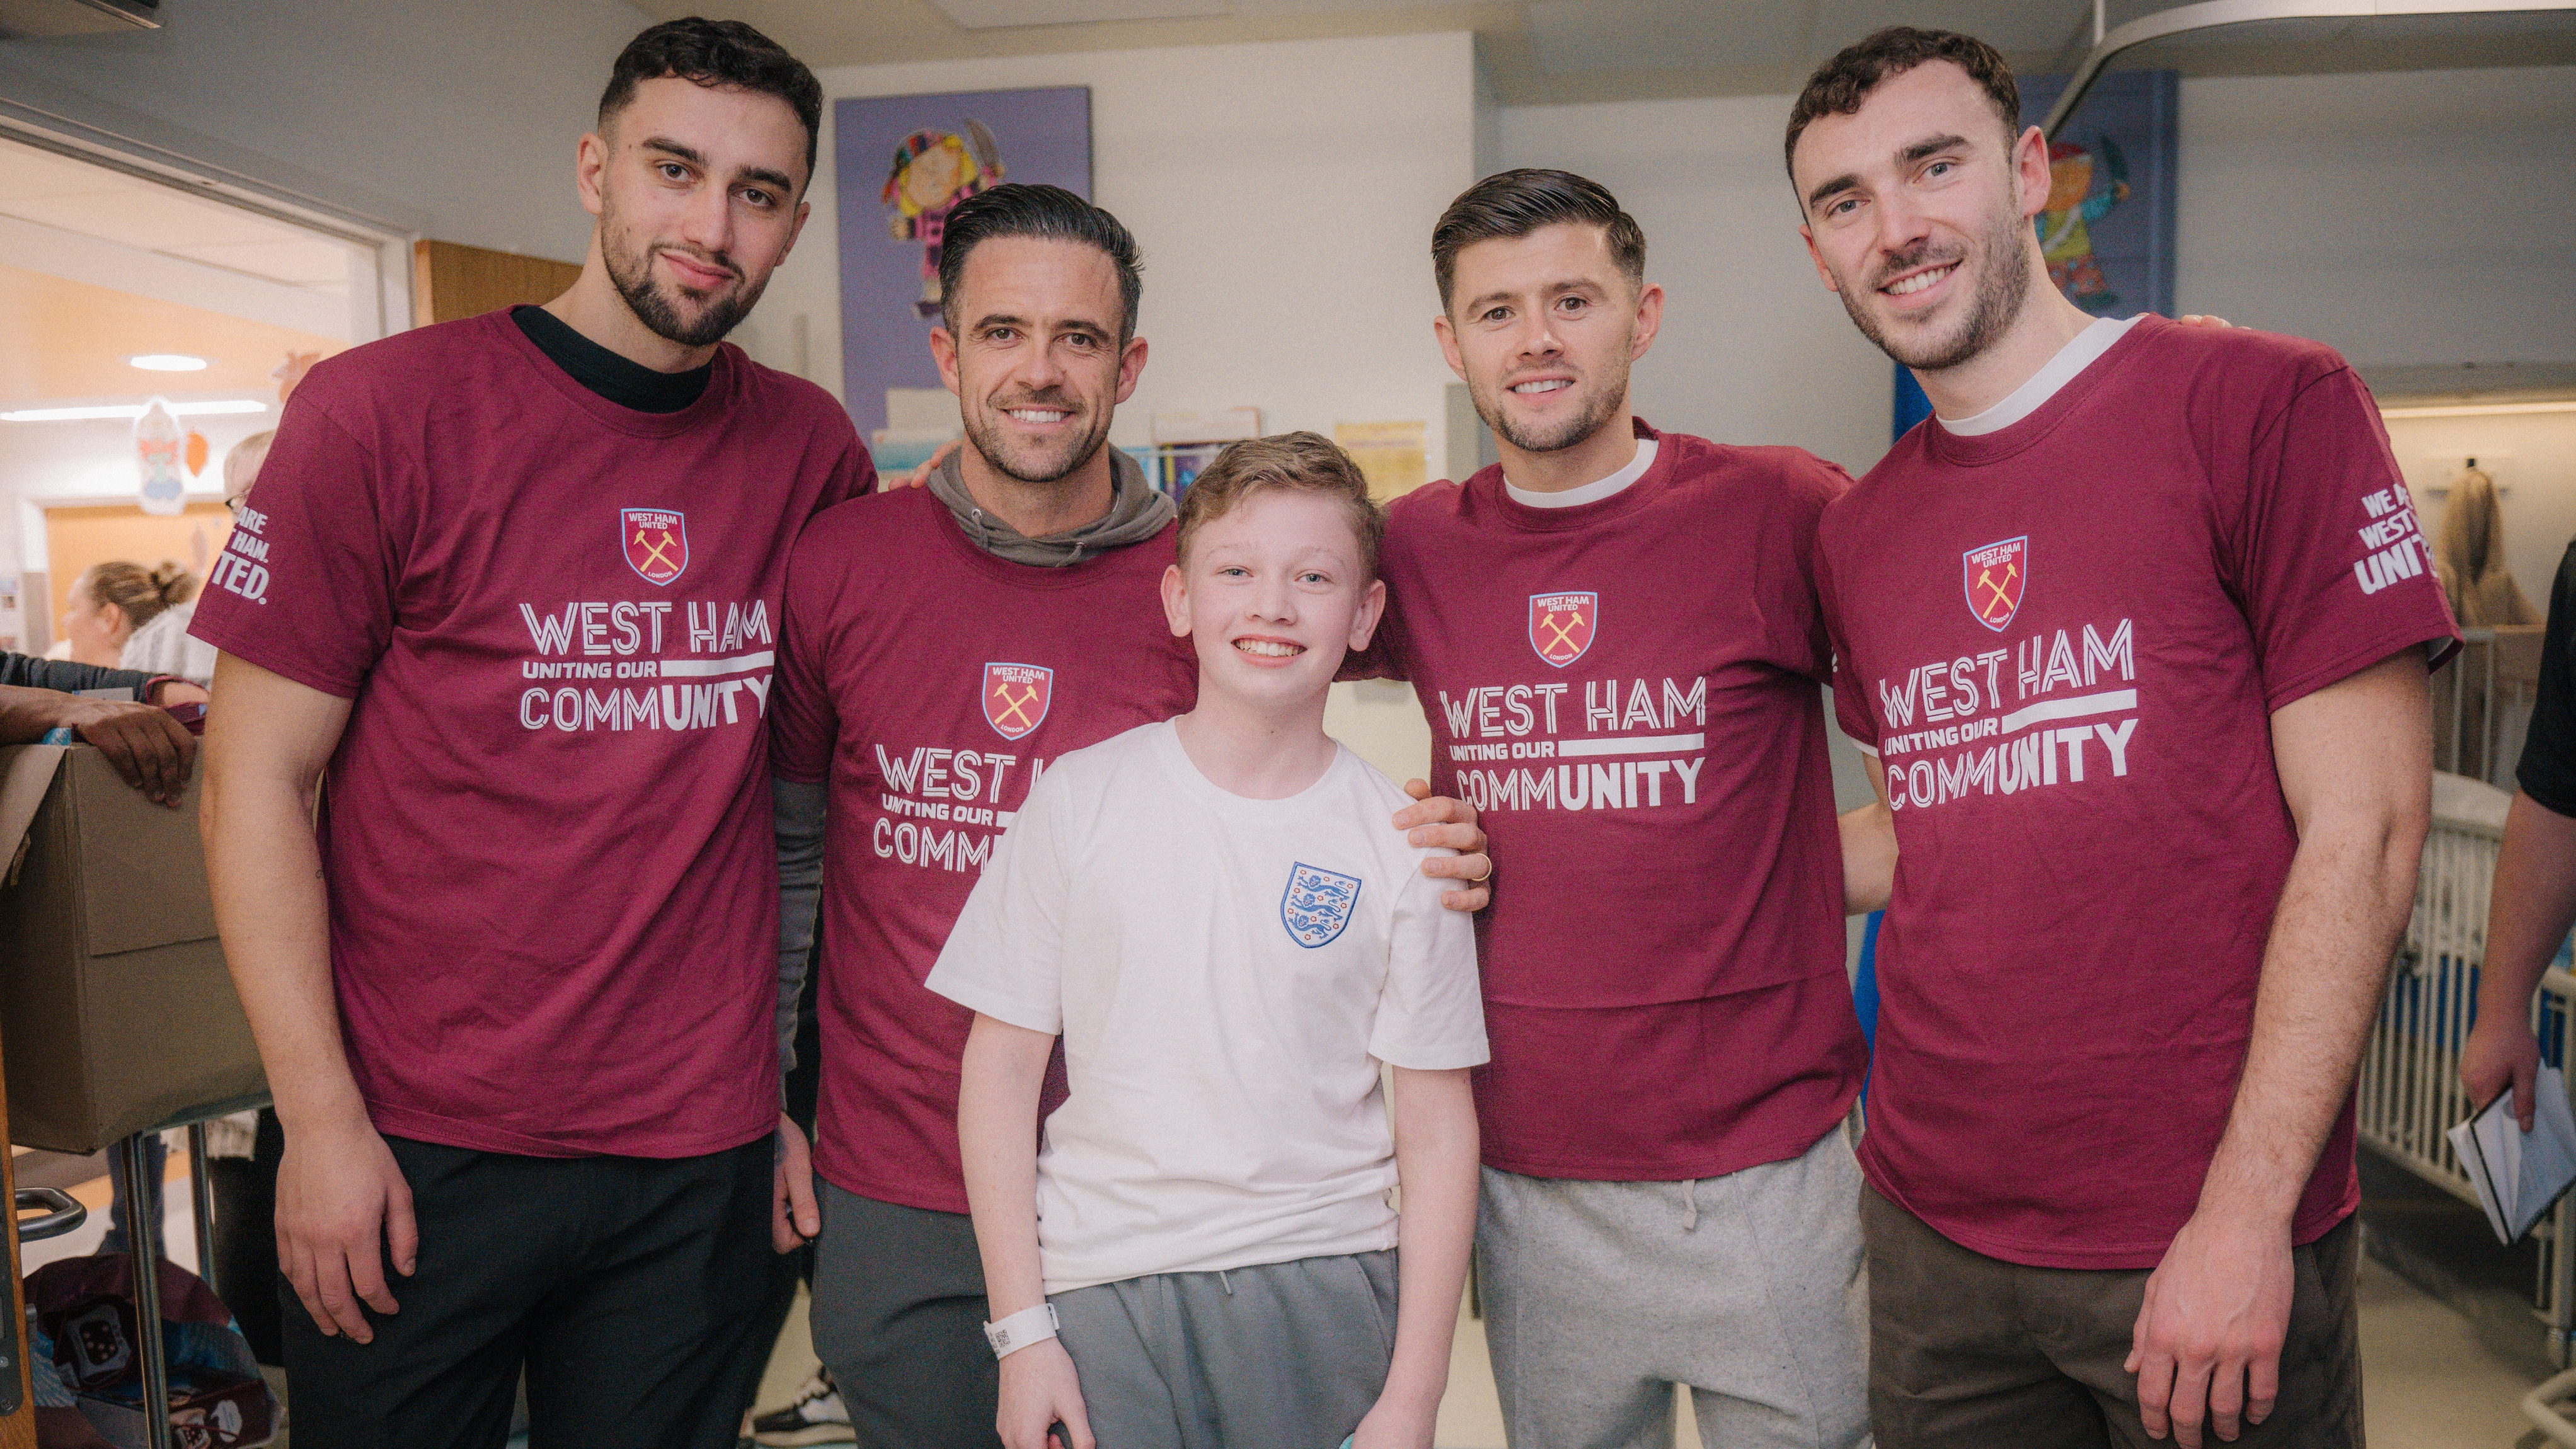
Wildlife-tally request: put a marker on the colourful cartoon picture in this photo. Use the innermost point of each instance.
(933, 171)
(2074, 202)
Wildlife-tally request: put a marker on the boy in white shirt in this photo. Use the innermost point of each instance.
(1214, 916)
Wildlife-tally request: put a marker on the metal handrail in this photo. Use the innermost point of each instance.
(2213, 14)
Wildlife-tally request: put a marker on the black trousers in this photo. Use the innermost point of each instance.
(622, 1286)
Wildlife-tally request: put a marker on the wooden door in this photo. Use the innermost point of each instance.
(451, 280)
(76, 537)
(17, 1430)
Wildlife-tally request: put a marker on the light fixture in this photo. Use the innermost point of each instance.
(2478, 410)
(131, 411)
(166, 362)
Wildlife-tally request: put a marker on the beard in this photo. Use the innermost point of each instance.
(1596, 400)
(658, 307)
(1035, 462)
(1992, 309)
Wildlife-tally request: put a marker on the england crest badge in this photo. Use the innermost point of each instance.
(1016, 697)
(1996, 575)
(1317, 904)
(657, 543)
(1560, 625)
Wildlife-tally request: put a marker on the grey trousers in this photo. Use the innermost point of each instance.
(1748, 1288)
(898, 1297)
(1280, 1356)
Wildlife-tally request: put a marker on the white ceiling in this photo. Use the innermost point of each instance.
(111, 206)
(1540, 51)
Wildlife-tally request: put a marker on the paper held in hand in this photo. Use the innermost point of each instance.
(2519, 1174)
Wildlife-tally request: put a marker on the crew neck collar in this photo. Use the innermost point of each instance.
(2079, 353)
(1976, 449)
(1659, 466)
(1592, 492)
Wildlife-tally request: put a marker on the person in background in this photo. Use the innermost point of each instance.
(2535, 873)
(122, 615)
(241, 468)
(149, 749)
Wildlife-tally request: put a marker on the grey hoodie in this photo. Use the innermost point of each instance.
(1136, 513)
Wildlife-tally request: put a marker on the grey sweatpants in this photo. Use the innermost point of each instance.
(1279, 1356)
(1600, 1296)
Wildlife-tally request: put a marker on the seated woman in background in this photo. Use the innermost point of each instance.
(123, 616)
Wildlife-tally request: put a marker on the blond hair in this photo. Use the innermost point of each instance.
(140, 594)
(1306, 462)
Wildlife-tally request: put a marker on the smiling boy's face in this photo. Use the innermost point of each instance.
(1273, 594)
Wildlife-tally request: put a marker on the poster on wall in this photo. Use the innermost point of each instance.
(906, 162)
(2107, 232)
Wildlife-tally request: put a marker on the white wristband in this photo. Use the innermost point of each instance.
(1028, 1326)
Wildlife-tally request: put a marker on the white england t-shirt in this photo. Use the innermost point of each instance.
(1226, 974)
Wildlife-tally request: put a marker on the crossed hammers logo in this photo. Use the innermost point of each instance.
(2002, 602)
(653, 551)
(1015, 709)
(1562, 633)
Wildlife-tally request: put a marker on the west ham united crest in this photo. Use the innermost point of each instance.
(1560, 625)
(1016, 697)
(657, 543)
(1317, 905)
(1996, 575)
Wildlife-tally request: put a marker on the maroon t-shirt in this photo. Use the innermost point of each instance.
(1629, 691)
(547, 837)
(2066, 640)
(928, 683)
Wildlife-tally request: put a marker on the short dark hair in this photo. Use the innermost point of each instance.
(1301, 462)
(1840, 85)
(1516, 203)
(723, 54)
(1048, 213)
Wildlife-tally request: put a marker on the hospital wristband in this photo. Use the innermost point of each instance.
(1028, 1326)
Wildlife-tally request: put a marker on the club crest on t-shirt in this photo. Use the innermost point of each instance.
(657, 542)
(1560, 625)
(1996, 574)
(1317, 905)
(1016, 697)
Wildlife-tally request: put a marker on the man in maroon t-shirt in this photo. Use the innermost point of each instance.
(940, 646)
(2137, 625)
(514, 583)
(1615, 637)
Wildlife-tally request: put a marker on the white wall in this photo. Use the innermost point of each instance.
(2412, 218)
(2532, 457)
(1754, 349)
(463, 114)
(1283, 194)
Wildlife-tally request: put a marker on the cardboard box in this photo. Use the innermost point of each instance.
(116, 1012)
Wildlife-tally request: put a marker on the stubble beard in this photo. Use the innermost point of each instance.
(1601, 401)
(652, 303)
(2001, 290)
(985, 432)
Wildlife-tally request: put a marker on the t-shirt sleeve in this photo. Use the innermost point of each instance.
(803, 722)
(1792, 615)
(1851, 700)
(1005, 956)
(2328, 560)
(305, 586)
(1431, 1013)
(2548, 770)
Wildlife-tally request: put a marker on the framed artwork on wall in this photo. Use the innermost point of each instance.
(904, 163)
